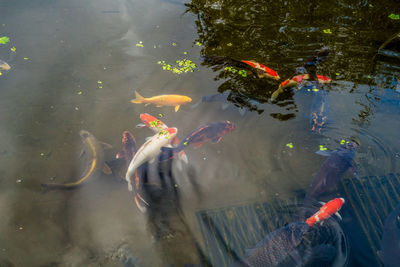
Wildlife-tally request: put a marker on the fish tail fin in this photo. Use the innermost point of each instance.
(141, 203)
(139, 99)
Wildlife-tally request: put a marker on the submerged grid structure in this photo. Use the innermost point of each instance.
(228, 232)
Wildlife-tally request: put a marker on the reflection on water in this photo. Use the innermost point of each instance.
(75, 65)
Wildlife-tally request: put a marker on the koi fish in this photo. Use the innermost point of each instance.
(148, 151)
(333, 168)
(212, 132)
(163, 100)
(156, 126)
(128, 151)
(223, 98)
(319, 111)
(4, 65)
(94, 151)
(326, 211)
(295, 81)
(277, 246)
(261, 70)
(390, 243)
(258, 69)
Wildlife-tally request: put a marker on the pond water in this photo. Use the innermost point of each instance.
(76, 66)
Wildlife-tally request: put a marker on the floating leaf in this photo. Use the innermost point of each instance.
(315, 89)
(26, 58)
(337, 73)
(79, 93)
(4, 40)
(1, 73)
(185, 53)
(185, 144)
(394, 16)
(229, 44)
(289, 145)
(328, 31)
(370, 5)
(322, 148)
(174, 44)
(140, 44)
(199, 44)
(99, 82)
(13, 49)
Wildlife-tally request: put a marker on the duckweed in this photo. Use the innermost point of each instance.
(233, 70)
(327, 31)
(394, 16)
(289, 145)
(182, 66)
(4, 40)
(322, 148)
(13, 49)
(140, 44)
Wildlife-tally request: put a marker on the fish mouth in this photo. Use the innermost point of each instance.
(84, 133)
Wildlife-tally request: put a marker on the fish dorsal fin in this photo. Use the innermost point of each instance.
(323, 153)
(321, 202)
(177, 107)
(338, 215)
(140, 125)
(106, 169)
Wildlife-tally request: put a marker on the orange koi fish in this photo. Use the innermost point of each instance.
(263, 71)
(163, 100)
(295, 81)
(326, 211)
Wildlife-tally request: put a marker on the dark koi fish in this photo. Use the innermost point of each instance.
(390, 244)
(212, 132)
(127, 153)
(93, 149)
(333, 168)
(223, 98)
(276, 247)
(319, 111)
(4, 65)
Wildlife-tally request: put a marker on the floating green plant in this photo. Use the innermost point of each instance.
(4, 40)
(140, 44)
(13, 49)
(233, 70)
(182, 66)
(394, 16)
(322, 148)
(328, 31)
(289, 145)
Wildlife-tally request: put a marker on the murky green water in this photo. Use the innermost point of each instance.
(78, 63)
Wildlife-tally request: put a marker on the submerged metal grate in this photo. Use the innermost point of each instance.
(228, 232)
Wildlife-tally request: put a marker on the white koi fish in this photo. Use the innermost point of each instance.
(148, 151)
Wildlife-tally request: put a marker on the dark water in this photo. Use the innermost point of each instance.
(77, 65)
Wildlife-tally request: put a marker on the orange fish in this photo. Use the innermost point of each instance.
(326, 211)
(163, 100)
(266, 72)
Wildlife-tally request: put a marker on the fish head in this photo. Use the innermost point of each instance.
(323, 79)
(152, 122)
(84, 134)
(297, 230)
(229, 126)
(4, 65)
(299, 78)
(287, 83)
(317, 122)
(187, 99)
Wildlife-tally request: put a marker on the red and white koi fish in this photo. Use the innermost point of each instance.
(295, 81)
(263, 71)
(156, 126)
(148, 151)
(326, 211)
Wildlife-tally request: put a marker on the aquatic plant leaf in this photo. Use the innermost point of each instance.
(4, 40)
(13, 49)
(394, 16)
(328, 31)
(140, 44)
(322, 148)
(289, 145)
